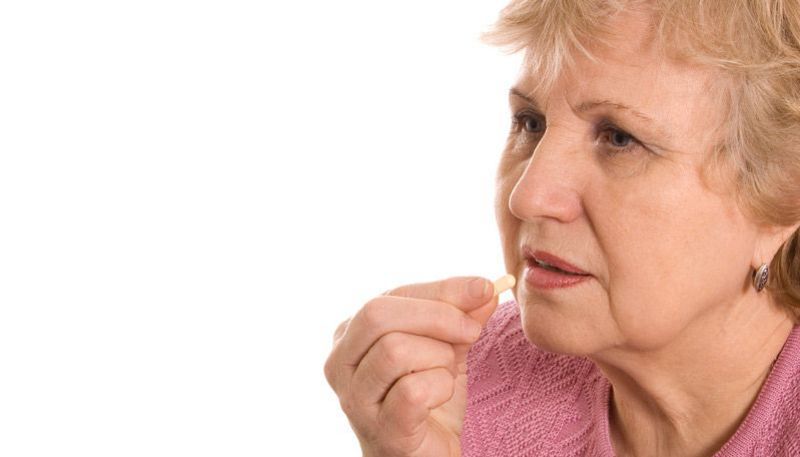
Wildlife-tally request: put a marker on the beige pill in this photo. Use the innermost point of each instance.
(504, 283)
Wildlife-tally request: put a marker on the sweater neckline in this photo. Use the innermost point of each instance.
(749, 431)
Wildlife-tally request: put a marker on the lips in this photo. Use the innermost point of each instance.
(551, 262)
(546, 271)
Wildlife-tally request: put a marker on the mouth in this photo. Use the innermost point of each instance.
(554, 269)
(552, 263)
(547, 271)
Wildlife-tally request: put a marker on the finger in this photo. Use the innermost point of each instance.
(482, 315)
(465, 292)
(340, 329)
(393, 356)
(383, 315)
(409, 401)
(461, 351)
(376, 319)
(485, 311)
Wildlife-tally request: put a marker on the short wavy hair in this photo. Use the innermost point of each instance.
(754, 45)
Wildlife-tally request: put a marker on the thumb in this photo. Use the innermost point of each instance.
(485, 311)
(482, 314)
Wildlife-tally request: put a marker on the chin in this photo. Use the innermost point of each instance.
(552, 332)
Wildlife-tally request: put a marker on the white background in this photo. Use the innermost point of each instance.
(194, 194)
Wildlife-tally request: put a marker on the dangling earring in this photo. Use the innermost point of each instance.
(760, 277)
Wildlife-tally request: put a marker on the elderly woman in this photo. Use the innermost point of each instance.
(648, 202)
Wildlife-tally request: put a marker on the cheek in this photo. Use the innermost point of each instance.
(671, 255)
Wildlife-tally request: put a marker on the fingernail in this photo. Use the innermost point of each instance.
(478, 288)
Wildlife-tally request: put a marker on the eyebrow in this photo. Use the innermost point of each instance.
(518, 93)
(591, 104)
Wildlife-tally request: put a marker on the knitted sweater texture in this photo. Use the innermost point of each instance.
(523, 401)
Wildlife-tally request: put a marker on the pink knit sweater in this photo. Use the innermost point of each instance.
(523, 401)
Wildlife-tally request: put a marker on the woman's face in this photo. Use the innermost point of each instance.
(604, 172)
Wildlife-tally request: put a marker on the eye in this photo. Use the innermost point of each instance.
(530, 122)
(617, 140)
(620, 139)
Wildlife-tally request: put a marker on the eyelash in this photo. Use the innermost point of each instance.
(605, 129)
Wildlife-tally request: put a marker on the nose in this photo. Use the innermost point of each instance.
(550, 187)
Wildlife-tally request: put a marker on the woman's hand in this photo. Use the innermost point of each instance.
(399, 366)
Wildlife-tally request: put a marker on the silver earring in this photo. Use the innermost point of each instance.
(760, 277)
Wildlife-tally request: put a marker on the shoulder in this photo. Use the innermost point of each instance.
(772, 426)
(518, 393)
(777, 411)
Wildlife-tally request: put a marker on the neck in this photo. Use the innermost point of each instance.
(689, 397)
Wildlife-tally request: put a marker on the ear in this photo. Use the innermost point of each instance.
(770, 239)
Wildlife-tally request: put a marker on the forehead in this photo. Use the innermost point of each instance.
(631, 68)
